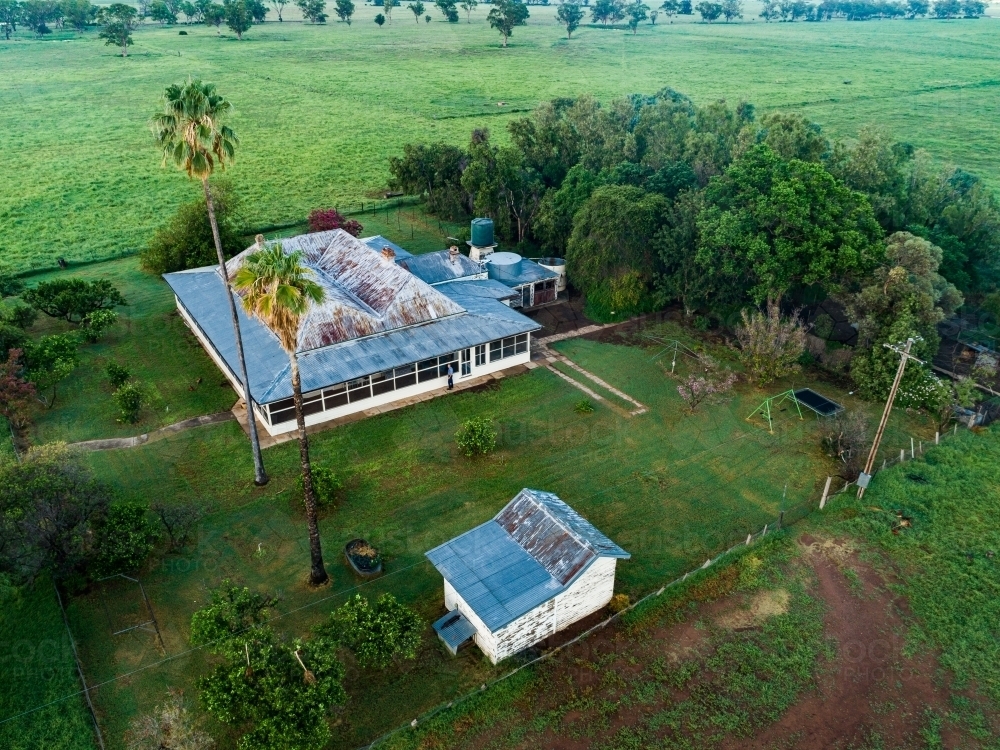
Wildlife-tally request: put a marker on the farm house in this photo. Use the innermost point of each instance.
(391, 325)
(535, 568)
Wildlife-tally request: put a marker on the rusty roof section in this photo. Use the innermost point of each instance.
(366, 293)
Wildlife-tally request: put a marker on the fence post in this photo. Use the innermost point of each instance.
(956, 429)
(764, 532)
(749, 537)
(883, 463)
(920, 445)
(902, 455)
(937, 438)
(826, 491)
(913, 453)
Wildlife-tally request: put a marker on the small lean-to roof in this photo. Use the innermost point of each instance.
(365, 293)
(486, 288)
(528, 273)
(534, 549)
(435, 268)
(378, 242)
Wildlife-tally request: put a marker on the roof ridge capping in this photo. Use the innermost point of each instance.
(578, 527)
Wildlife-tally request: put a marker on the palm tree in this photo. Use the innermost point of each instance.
(190, 132)
(278, 289)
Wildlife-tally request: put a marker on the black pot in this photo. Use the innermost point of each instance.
(360, 564)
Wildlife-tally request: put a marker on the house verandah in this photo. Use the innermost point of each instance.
(382, 336)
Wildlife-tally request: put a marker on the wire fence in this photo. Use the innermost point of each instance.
(786, 517)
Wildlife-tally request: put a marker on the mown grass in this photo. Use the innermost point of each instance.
(36, 661)
(320, 109)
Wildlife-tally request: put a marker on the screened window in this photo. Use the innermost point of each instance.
(508, 347)
(360, 389)
(335, 396)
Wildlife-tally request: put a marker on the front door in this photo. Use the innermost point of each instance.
(466, 362)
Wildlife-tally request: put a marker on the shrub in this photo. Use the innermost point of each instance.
(697, 388)
(325, 219)
(16, 393)
(118, 374)
(375, 633)
(168, 727)
(130, 398)
(73, 299)
(17, 314)
(326, 484)
(619, 603)
(770, 346)
(96, 323)
(583, 407)
(186, 240)
(846, 440)
(476, 436)
(124, 538)
(178, 521)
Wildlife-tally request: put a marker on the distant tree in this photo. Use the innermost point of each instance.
(213, 14)
(973, 8)
(447, 7)
(770, 345)
(637, 12)
(653, 14)
(36, 14)
(417, 9)
(468, 6)
(603, 11)
(344, 10)
(191, 11)
(507, 14)
(168, 727)
(916, 8)
(73, 299)
(947, 8)
(279, 7)
(684, 8)
(313, 10)
(709, 11)
(387, 6)
(16, 393)
(49, 360)
(160, 12)
(770, 11)
(427, 18)
(78, 13)
(670, 8)
(258, 11)
(238, 17)
(376, 633)
(10, 15)
(570, 15)
(379, 19)
(732, 9)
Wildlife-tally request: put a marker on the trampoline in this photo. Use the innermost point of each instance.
(819, 404)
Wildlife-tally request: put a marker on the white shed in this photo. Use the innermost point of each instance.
(534, 569)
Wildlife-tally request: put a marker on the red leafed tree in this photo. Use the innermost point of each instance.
(15, 392)
(325, 219)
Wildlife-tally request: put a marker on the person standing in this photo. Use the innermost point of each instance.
(451, 377)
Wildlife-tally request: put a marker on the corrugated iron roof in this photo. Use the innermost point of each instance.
(530, 552)
(488, 288)
(529, 273)
(201, 292)
(378, 242)
(366, 293)
(441, 266)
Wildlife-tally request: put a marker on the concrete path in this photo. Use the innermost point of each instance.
(148, 437)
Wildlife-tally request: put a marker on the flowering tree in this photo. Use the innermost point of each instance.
(325, 219)
(16, 393)
(714, 381)
(770, 345)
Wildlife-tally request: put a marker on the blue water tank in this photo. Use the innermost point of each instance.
(504, 267)
(482, 232)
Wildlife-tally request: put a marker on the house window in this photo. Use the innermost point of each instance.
(427, 370)
(335, 396)
(480, 355)
(312, 403)
(360, 389)
(405, 376)
(282, 411)
(508, 347)
(443, 362)
(382, 383)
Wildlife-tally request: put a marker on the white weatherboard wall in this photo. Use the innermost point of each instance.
(591, 591)
(368, 403)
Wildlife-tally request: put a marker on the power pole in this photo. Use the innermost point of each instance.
(904, 353)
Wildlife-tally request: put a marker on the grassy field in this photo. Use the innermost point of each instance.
(320, 109)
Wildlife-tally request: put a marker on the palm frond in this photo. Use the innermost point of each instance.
(189, 129)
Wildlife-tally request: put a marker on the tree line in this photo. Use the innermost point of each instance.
(654, 200)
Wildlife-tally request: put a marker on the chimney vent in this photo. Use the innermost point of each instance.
(388, 253)
(453, 254)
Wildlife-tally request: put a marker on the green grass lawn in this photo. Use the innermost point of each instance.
(320, 109)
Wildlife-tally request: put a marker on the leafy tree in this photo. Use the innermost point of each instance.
(555, 213)
(124, 537)
(17, 314)
(468, 6)
(213, 14)
(49, 507)
(903, 297)
(77, 13)
(35, 14)
(191, 132)
(10, 15)
(875, 165)
(279, 290)
(179, 521)
(118, 375)
(96, 324)
(447, 7)
(732, 9)
(653, 14)
(159, 11)
(549, 140)
(916, 8)
(279, 6)
(234, 616)
(506, 15)
(709, 11)
(376, 634)
(793, 137)
(610, 254)
(770, 345)
(119, 21)
(476, 437)
(607, 10)
(503, 186)
(947, 8)
(417, 9)
(772, 224)
(387, 6)
(326, 485)
(379, 19)
(682, 278)
(191, 11)
(671, 179)
(16, 393)
(708, 382)
(238, 17)
(637, 12)
(168, 727)
(670, 7)
(770, 11)
(313, 10)
(345, 10)
(684, 8)
(973, 8)
(49, 360)
(130, 397)
(427, 18)
(187, 241)
(73, 299)
(258, 11)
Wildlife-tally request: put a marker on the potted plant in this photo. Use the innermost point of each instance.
(365, 559)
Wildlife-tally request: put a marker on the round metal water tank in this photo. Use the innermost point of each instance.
(558, 265)
(482, 232)
(503, 266)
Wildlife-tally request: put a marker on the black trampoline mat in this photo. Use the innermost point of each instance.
(819, 404)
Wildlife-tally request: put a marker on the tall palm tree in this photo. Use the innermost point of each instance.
(190, 132)
(278, 289)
